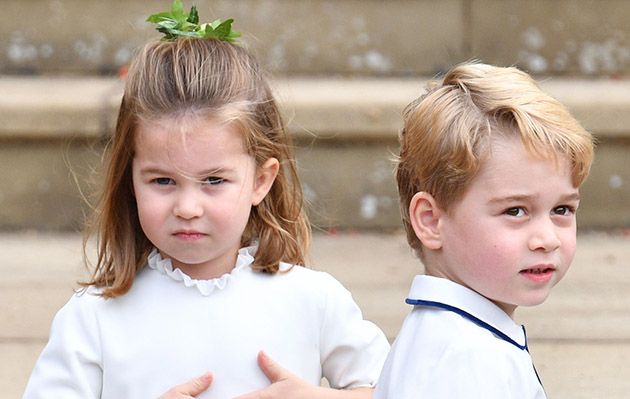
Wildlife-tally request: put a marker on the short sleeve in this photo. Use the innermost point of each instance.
(353, 350)
(70, 365)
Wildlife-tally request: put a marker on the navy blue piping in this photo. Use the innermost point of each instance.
(479, 322)
(472, 318)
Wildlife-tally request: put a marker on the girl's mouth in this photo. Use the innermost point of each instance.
(189, 235)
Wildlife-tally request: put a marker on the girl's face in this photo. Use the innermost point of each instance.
(195, 184)
(512, 236)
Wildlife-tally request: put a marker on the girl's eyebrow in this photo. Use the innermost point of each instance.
(155, 170)
(212, 171)
(152, 170)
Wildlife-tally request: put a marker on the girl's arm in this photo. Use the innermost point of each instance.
(285, 385)
(70, 364)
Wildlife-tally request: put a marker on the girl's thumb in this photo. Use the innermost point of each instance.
(196, 386)
(272, 370)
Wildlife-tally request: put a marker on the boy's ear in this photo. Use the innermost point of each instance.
(424, 215)
(265, 176)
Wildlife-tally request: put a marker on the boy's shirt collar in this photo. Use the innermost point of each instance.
(445, 294)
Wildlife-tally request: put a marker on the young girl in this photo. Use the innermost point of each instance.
(200, 211)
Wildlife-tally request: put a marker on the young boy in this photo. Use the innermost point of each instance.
(488, 179)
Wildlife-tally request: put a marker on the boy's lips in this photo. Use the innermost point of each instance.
(539, 273)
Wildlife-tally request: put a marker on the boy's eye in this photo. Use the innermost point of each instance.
(517, 212)
(163, 181)
(213, 180)
(563, 210)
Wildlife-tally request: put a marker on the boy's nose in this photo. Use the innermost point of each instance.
(544, 237)
(188, 205)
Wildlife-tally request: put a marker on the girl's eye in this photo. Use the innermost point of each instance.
(213, 180)
(516, 212)
(563, 210)
(163, 181)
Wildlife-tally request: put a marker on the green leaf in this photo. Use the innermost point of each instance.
(214, 24)
(155, 18)
(176, 23)
(177, 10)
(193, 16)
(224, 29)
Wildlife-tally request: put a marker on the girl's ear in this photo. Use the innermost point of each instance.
(265, 176)
(424, 215)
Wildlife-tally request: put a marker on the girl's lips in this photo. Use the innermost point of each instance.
(539, 273)
(189, 235)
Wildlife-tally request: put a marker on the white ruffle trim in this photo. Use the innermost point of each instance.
(244, 259)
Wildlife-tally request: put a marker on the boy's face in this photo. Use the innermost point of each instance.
(512, 236)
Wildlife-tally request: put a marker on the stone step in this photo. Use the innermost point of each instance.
(579, 338)
(325, 37)
(52, 131)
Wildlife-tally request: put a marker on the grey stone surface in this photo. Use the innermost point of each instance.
(579, 338)
(289, 36)
(558, 37)
(51, 132)
(46, 183)
(326, 37)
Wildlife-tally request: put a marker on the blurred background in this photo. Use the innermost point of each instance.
(343, 71)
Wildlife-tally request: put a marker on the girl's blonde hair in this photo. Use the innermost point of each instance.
(219, 80)
(447, 132)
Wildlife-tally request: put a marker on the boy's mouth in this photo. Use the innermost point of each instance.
(539, 273)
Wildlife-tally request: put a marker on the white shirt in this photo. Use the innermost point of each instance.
(457, 344)
(170, 328)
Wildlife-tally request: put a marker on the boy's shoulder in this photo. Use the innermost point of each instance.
(449, 332)
(440, 353)
(457, 320)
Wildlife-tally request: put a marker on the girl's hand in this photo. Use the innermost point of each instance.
(189, 389)
(285, 385)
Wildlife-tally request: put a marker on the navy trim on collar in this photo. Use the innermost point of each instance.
(478, 322)
(472, 318)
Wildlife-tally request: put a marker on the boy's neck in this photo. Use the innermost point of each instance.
(509, 309)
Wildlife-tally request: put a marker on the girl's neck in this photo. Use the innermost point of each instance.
(207, 270)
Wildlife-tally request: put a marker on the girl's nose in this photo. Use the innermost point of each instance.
(188, 205)
(544, 236)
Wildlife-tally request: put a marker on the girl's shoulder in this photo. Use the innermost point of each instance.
(305, 282)
(307, 274)
(80, 312)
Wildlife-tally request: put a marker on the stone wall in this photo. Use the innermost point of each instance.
(334, 37)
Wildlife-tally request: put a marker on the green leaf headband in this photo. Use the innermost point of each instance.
(177, 23)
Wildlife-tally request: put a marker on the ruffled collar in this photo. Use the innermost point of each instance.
(244, 259)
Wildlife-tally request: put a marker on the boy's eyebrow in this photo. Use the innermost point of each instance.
(574, 196)
(571, 197)
(513, 198)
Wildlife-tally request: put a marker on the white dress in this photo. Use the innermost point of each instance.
(170, 328)
(457, 344)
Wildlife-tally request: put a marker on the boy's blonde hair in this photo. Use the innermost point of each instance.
(208, 78)
(447, 133)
